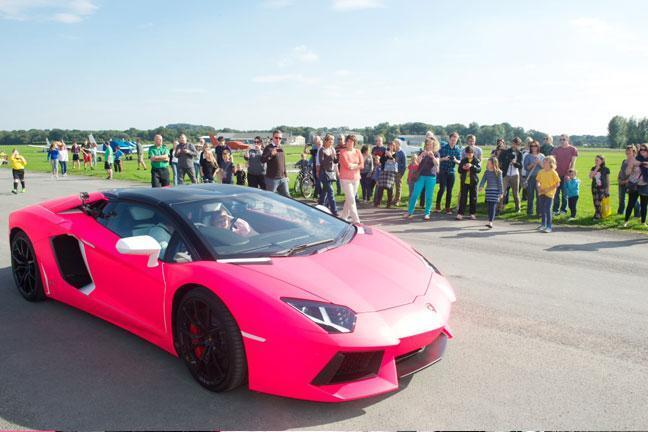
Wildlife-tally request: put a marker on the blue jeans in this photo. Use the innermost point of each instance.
(318, 183)
(544, 206)
(427, 182)
(279, 185)
(174, 168)
(532, 195)
(63, 167)
(328, 197)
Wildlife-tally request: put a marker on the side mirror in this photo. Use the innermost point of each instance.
(323, 208)
(141, 245)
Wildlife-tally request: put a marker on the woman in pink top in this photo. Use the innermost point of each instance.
(351, 162)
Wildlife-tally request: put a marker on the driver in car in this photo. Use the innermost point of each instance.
(223, 220)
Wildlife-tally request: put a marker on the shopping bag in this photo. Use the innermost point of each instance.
(606, 209)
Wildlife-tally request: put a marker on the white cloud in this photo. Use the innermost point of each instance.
(276, 4)
(299, 54)
(64, 11)
(295, 78)
(342, 72)
(352, 5)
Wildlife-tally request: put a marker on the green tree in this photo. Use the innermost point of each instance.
(618, 132)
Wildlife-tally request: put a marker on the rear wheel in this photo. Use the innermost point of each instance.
(210, 341)
(25, 268)
(307, 187)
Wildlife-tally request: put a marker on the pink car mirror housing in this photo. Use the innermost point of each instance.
(141, 245)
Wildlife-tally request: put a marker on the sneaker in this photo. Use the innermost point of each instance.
(547, 230)
(459, 217)
(14, 191)
(625, 225)
(473, 217)
(23, 190)
(408, 216)
(571, 219)
(541, 228)
(426, 217)
(448, 212)
(556, 213)
(437, 210)
(489, 225)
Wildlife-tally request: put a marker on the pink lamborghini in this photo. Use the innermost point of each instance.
(244, 285)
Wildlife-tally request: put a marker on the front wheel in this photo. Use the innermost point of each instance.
(210, 341)
(307, 187)
(25, 268)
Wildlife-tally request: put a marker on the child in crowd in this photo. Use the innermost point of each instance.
(118, 160)
(600, 176)
(375, 175)
(548, 182)
(227, 170)
(494, 188)
(87, 158)
(412, 171)
(302, 164)
(365, 173)
(572, 191)
(240, 174)
(469, 168)
(17, 162)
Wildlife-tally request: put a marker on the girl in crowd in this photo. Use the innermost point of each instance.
(240, 174)
(208, 164)
(600, 176)
(572, 191)
(63, 158)
(365, 173)
(387, 178)
(227, 170)
(351, 162)
(637, 171)
(631, 153)
(327, 172)
(412, 173)
(17, 163)
(87, 157)
(494, 188)
(548, 182)
(52, 157)
(428, 167)
(469, 168)
(76, 160)
(532, 163)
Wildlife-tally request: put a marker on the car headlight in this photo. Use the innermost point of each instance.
(427, 263)
(330, 317)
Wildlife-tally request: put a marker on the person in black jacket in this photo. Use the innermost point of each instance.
(469, 169)
(276, 179)
(510, 163)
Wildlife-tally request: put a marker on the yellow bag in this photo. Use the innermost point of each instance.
(606, 209)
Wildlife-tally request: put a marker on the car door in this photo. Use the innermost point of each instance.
(126, 283)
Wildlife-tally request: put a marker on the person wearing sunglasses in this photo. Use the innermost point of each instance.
(637, 171)
(256, 169)
(276, 178)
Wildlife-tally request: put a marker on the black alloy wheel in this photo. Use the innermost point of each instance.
(210, 342)
(25, 268)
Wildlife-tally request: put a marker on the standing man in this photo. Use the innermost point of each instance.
(510, 162)
(379, 148)
(220, 149)
(273, 155)
(159, 156)
(401, 162)
(109, 160)
(317, 145)
(197, 170)
(185, 152)
(450, 156)
(471, 141)
(140, 154)
(565, 155)
(256, 169)
(547, 148)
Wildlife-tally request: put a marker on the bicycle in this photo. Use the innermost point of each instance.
(305, 184)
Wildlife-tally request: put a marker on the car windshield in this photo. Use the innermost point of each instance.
(258, 224)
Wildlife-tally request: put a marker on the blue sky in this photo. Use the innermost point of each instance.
(555, 66)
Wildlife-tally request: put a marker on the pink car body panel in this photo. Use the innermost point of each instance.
(400, 307)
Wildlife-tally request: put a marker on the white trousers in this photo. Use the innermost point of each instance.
(350, 189)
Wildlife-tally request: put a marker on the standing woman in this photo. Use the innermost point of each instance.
(631, 153)
(63, 158)
(174, 163)
(638, 183)
(76, 160)
(93, 154)
(17, 163)
(208, 164)
(365, 173)
(387, 178)
(533, 164)
(428, 167)
(351, 163)
(52, 157)
(600, 176)
(327, 172)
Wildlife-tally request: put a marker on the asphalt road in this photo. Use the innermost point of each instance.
(551, 333)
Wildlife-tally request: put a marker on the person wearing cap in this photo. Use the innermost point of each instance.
(276, 176)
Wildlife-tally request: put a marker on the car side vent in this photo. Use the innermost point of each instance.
(70, 261)
(350, 366)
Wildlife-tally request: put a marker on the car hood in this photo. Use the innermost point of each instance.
(371, 273)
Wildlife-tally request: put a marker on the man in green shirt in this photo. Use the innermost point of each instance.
(159, 156)
(109, 158)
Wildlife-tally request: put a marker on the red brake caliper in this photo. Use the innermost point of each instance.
(199, 350)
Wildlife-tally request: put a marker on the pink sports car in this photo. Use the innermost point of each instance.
(244, 285)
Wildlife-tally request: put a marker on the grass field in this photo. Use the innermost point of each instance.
(37, 162)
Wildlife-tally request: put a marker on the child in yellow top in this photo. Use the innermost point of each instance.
(17, 162)
(548, 182)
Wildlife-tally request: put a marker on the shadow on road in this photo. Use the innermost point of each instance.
(61, 368)
(596, 246)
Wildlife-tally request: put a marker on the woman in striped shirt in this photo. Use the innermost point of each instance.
(494, 188)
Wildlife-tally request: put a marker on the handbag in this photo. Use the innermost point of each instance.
(606, 208)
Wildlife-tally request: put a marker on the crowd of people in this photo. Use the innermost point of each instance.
(542, 175)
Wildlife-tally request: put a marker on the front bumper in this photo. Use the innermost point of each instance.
(303, 365)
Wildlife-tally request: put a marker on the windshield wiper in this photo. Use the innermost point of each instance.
(293, 250)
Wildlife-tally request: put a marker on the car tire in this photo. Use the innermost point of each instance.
(209, 341)
(25, 268)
